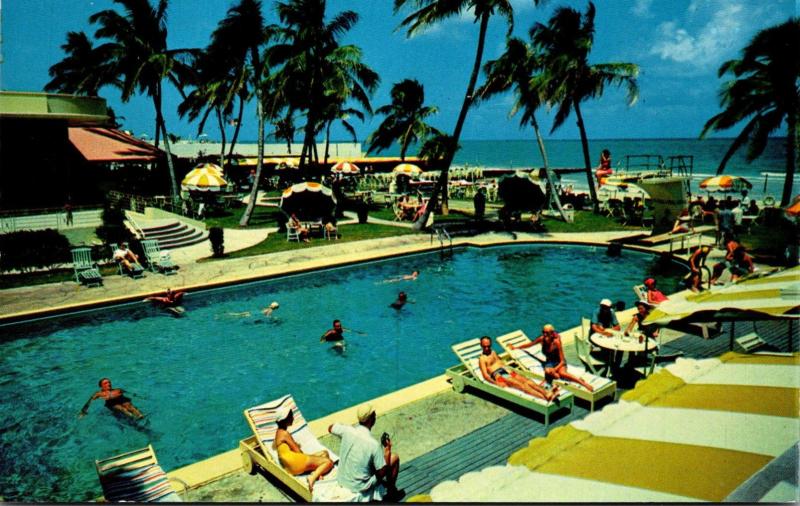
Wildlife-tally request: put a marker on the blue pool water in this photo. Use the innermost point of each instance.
(194, 375)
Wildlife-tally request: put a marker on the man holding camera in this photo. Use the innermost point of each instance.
(364, 467)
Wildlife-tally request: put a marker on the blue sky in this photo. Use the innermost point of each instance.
(678, 44)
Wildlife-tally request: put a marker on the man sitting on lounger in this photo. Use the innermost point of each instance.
(497, 372)
(555, 366)
(127, 257)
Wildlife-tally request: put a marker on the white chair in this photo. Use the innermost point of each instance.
(292, 234)
(641, 292)
(584, 349)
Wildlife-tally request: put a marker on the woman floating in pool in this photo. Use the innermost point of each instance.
(291, 455)
(170, 301)
(404, 277)
(115, 401)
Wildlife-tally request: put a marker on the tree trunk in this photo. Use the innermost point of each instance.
(791, 158)
(553, 193)
(441, 183)
(222, 137)
(162, 127)
(586, 161)
(404, 144)
(327, 140)
(238, 126)
(251, 205)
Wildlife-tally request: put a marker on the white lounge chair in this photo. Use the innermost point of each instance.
(135, 476)
(531, 359)
(257, 450)
(468, 373)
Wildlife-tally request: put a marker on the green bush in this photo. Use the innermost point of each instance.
(113, 229)
(31, 249)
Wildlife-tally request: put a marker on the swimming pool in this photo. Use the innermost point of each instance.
(194, 375)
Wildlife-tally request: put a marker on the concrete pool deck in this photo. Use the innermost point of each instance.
(40, 300)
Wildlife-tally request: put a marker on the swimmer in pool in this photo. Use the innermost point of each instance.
(170, 301)
(267, 311)
(405, 277)
(115, 401)
(335, 334)
(402, 298)
(291, 454)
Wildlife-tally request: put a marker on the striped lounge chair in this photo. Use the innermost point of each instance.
(468, 373)
(135, 477)
(530, 361)
(258, 450)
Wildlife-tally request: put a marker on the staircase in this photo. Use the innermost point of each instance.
(174, 234)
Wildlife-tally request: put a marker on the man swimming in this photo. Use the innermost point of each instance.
(403, 277)
(115, 401)
(495, 371)
(402, 298)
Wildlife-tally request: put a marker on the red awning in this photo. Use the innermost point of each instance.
(109, 145)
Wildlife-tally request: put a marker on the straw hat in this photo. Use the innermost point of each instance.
(364, 412)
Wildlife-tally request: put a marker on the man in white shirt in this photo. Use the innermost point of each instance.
(365, 467)
(126, 257)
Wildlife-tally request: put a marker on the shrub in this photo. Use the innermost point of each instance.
(30, 249)
(216, 236)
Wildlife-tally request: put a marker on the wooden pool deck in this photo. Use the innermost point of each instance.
(494, 443)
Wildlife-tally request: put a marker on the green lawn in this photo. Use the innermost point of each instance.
(263, 217)
(80, 236)
(587, 221)
(277, 242)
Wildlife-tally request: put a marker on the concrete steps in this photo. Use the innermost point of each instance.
(175, 234)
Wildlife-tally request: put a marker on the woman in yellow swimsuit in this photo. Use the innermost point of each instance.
(292, 457)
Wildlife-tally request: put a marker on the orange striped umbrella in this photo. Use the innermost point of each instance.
(726, 184)
(345, 168)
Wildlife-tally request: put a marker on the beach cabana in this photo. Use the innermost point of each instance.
(726, 184)
(719, 429)
(772, 297)
(519, 191)
(308, 200)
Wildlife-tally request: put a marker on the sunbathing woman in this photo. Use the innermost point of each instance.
(169, 299)
(301, 230)
(115, 400)
(292, 457)
(654, 295)
(555, 367)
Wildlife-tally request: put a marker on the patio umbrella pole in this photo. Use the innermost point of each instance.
(791, 330)
(733, 326)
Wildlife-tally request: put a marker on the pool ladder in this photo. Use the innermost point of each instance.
(445, 241)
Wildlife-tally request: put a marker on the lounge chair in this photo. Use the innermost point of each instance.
(257, 449)
(86, 271)
(159, 261)
(530, 361)
(584, 349)
(136, 272)
(641, 292)
(135, 477)
(468, 373)
(750, 342)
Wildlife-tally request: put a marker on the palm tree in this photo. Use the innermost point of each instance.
(565, 43)
(139, 55)
(520, 68)
(765, 90)
(431, 12)
(85, 68)
(405, 120)
(285, 129)
(315, 67)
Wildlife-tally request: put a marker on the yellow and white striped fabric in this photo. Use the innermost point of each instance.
(345, 168)
(775, 296)
(725, 184)
(694, 431)
(407, 169)
(207, 177)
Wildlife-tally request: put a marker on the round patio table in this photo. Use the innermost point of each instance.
(618, 344)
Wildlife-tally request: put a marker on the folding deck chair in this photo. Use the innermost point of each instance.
(159, 261)
(136, 271)
(257, 450)
(530, 362)
(468, 373)
(135, 476)
(86, 271)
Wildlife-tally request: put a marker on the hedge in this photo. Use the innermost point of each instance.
(32, 249)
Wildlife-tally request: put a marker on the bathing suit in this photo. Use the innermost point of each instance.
(116, 401)
(293, 462)
(551, 357)
(501, 371)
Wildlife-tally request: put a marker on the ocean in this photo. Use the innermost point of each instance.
(524, 154)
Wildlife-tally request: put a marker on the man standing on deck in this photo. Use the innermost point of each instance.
(365, 468)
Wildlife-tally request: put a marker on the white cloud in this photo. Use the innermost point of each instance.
(641, 8)
(721, 34)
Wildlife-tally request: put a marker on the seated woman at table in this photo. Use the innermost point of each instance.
(555, 366)
(642, 311)
(295, 224)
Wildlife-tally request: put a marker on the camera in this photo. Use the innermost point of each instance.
(384, 439)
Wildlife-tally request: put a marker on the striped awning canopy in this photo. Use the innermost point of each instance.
(407, 169)
(204, 179)
(345, 168)
(774, 296)
(726, 184)
(694, 431)
(309, 200)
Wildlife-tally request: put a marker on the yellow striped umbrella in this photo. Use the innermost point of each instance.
(203, 168)
(407, 169)
(204, 179)
(726, 184)
(346, 168)
(694, 431)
